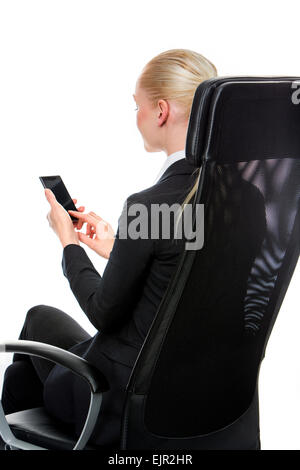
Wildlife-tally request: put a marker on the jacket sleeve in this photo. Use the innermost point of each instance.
(108, 300)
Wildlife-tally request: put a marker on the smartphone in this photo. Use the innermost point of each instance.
(56, 184)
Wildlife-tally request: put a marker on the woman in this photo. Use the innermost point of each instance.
(122, 303)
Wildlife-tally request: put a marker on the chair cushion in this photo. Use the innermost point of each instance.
(38, 427)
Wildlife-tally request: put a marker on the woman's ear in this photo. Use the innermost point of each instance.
(163, 111)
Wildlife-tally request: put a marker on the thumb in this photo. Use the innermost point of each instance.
(87, 240)
(50, 196)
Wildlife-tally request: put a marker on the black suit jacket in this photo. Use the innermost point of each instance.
(121, 304)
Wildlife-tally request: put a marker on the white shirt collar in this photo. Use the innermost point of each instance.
(170, 159)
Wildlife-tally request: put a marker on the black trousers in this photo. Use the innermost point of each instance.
(24, 378)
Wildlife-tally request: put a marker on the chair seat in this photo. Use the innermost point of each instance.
(38, 427)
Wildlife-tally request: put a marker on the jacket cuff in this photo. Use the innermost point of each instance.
(73, 255)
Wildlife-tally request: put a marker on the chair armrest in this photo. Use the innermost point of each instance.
(79, 366)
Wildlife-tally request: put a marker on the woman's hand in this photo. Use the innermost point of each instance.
(99, 235)
(60, 221)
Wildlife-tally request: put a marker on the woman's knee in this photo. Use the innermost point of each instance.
(34, 313)
(36, 310)
(33, 321)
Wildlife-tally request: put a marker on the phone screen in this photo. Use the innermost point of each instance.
(56, 184)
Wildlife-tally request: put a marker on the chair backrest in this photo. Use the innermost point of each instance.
(194, 384)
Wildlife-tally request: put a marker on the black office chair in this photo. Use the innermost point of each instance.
(195, 382)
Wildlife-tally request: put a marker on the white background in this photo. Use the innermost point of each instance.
(68, 72)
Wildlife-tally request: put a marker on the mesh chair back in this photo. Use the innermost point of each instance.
(194, 384)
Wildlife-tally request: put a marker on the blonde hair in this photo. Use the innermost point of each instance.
(175, 75)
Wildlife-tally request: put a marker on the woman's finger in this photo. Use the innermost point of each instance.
(80, 224)
(90, 215)
(92, 220)
(81, 208)
(87, 240)
(96, 216)
(88, 230)
(92, 231)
